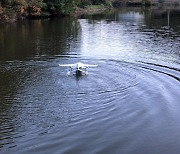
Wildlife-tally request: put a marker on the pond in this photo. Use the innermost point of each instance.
(128, 104)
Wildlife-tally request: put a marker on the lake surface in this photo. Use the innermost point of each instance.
(129, 104)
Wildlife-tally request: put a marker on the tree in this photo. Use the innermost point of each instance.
(35, 7)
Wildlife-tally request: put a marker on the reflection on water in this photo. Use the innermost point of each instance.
(37, 37)
(163, 18)
(145, 37)
(128, 104)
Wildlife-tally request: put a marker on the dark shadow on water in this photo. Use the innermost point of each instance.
(35, 38)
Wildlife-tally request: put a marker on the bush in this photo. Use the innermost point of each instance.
(85, 3)
(176, 3)
(1, 9)
(35, 7)
(146, 2)
(161, 1)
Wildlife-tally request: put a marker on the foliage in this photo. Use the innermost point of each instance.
(161, 1)
(176, 3)
(68, 6)
(39, 8)
(35, 7)
(85, 3)
(146, 2)
(1, 9)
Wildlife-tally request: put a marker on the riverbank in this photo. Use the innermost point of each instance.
(118, 3)
(92, 9)
(14, 12)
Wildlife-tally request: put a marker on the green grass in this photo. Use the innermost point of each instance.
(92, 7)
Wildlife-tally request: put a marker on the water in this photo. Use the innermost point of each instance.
(128, 104)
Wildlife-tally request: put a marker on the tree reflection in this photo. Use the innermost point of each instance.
(37, 37)
(162, 18)
(27, 40)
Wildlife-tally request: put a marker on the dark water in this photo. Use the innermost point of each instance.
(129, 104)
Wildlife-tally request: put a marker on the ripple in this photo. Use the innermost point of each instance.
(116, 93)
(167, 70)
(130, 102)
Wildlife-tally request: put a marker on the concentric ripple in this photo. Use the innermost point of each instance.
(128, 104)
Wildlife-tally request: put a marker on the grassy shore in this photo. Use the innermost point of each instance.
(91, 9)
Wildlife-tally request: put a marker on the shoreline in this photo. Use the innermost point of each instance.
(139, 3)
(91, 9)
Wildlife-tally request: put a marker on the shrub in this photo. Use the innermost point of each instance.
(1, 9)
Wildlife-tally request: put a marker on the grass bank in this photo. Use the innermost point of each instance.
(91, 9)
